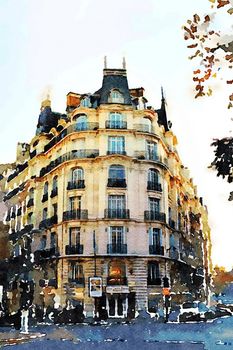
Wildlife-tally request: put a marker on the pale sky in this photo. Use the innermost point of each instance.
(59, 45)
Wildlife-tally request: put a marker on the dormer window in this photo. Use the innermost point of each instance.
(115, 97)
(85, 102)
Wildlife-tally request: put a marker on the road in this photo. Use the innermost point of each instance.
(142, 334)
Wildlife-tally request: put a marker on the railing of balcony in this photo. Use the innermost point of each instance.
(111, 281)
(154, 216)
(75, 215)
(46, 223)
(156, 249)
(72, 128)
(19, 169)
(154, 186)
(116, 213)
(157, 281)
(144, 128)
(109, 124)
(75, 154)
(74, 249)
(75, 185)
(44, 198)
(172, 223)
(117, 248)
(54, 192)
(30, 203)
(150, 156)
(116, 152)
(116, 182)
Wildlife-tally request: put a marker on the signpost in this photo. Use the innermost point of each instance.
(95, 287)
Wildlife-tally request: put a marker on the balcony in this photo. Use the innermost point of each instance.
(116, 152)
(109, 124)
(54, 192)
(142, 155)
(144, 128)
(75, 185)
(172, 223)
(154, 216)
(154, 186)
(116, 213)
(18, 170)
(117, 248)
(74, 249)
(46, 223)
(30, 203)
(75, 154)
(44, 198)
(156, 249)
(117, 281)
(75, 215)
(116, 183)
(157, 281)
(42, 254)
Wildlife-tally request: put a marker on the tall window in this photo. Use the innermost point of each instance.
(77, 174)
(75, 203)
(154, 204)
(115, 97)
(74, 236)
(45, 213)
(117, 235)
(151, 149)
(43, 241)
(148, 124)
(116, 121)
(153, 182)
(116, 202)
(85, 102)
(55, 182)
(46, 186)
(29, 219)
(53, 240)
(55, 209)
(155, 237)
(153, 273)
(116, 144)
(76, 272)
(31, 193)
(81, 122)
(116, 172)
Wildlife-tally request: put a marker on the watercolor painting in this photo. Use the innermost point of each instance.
(116, 169)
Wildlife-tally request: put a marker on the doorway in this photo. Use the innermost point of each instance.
(117, 305)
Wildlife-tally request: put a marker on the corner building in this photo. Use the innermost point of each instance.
(101, 191)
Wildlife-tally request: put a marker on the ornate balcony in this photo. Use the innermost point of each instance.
(142, 155)
(154, 216)
(109, 124)
(75, 215)
(42, 254)
(46, 223)
(154, 186)
(113, 281)
(156, 249)
(116, 183)
(109, 152)
(54, 192)
(117, 248)
(74, 249)
(75, 185)
(144, 128)
(116, 213)
(157, 281)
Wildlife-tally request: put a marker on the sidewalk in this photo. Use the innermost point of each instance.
(12, 337)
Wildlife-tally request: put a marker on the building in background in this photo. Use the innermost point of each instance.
(102, 214)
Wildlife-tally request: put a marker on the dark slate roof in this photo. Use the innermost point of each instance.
(48, 120)
(114, 79)
(162, 115)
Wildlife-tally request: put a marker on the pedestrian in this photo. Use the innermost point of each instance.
(24, 320)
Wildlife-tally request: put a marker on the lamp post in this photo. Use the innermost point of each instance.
(94, 250)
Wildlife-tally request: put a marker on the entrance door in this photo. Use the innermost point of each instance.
(117, 305)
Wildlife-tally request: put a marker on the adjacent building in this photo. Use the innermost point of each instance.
(101, 192)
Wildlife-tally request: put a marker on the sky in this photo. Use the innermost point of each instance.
(58, 46)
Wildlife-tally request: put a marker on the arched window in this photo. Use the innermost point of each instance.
(147, 124)
(77, 179)
(81, 122)
(54, 188)
(116, 121)
(153, 180)
(115, 97)
(55, 182)
(116, 176)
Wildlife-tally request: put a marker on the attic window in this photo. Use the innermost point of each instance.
(115, 97)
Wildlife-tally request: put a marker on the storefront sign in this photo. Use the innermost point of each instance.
(117, 289)
(95, 284)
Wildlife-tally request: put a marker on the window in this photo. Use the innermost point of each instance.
(45, 213)
(74, 236)
(46, 185)
(151, 149)
(54, 209)
(43, 241)
(81, 122)
(85, 102)
(116, 121)
(115, 97)
(116, 144)
(76, 272)
(117, 240)
(148, 124)
(116, 202)
(55, 182)
(75, 203)
(155, 237)
(29, 220)
(153, 273)
(77, 174)
(154, 204)
(31, 193)
(53, 240)
(116, 176)
(153, 180)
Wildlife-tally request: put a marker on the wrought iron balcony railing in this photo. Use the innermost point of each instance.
(109, 124)
(75, 185)
(116, 213)
(144, 128)
(172, 223)
(156, 249)
(74, 249)
(154, 186)
(75, 215)
(117, 248)
(150, 215)
(150, 156)
(44, 198)
(54, 192)
(116, 182)
(46, 223)
(114, 151)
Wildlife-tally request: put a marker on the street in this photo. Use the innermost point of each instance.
(141, 334)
